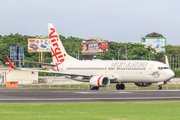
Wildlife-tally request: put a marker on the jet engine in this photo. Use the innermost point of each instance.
(143, 84)
(100, 81)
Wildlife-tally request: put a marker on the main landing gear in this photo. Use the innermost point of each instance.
(94, 88)
(120, 86)
(159, 87)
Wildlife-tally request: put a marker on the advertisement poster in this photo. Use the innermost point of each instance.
(94, 47)
(39, 45)
(156, 43)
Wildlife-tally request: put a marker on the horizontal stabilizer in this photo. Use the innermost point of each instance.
(11, 65)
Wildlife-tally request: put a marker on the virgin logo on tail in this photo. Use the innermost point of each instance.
(57, 53)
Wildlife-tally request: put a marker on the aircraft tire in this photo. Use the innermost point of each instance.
(96, 88)
(159, 87)
(117, 87)
(122, 86)
(91, 87)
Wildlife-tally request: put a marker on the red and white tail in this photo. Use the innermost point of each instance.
(11, 65)
(59, 54)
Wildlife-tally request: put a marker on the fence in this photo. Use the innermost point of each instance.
(128, 86)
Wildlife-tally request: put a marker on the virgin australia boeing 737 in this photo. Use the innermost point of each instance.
(100, 73)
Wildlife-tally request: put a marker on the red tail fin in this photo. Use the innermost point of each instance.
(11, 65)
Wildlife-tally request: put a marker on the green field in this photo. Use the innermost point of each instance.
(169, 110)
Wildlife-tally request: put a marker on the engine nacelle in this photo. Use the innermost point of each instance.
(100, 81)
(143, 84)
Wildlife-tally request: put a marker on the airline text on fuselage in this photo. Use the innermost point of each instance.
(129, 64)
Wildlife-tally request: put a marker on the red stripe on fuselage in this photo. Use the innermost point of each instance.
(99, 81)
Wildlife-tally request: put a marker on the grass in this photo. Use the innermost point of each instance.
(168, 110)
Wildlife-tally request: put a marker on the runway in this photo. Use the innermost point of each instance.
(64, 95)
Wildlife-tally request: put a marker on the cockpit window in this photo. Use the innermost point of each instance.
(162, 68)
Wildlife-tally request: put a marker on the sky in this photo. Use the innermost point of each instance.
(113, 20)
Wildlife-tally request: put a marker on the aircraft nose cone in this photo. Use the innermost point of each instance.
(171, 74)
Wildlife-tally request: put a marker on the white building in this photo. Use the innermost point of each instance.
(23, 77)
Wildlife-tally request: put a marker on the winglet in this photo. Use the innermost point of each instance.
(11, 65)
(166, 60)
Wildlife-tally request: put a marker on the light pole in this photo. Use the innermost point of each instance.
(170, 61)
(76, 56)
(149, 55)
(126, 51)
(118, 54)
(173, 62)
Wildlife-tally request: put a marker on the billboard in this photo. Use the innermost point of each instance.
(157, 43)
(39, 45)
(16, 52)
(94, 47)
(13, 52)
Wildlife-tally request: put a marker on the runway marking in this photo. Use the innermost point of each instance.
(85, 92)
(61, 99)
(58, 91)
(123, 92)
(150, 90)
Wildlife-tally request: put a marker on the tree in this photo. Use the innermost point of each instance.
(72, 45)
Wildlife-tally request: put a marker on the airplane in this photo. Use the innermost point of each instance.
(100, 73)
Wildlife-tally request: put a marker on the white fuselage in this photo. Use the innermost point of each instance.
(125, 71)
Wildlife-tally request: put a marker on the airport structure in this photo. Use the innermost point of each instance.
(22, 77)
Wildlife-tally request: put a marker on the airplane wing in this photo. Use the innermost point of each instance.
(46, 71)
(54, 72)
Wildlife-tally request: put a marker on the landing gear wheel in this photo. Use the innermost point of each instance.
(96, 88)
(91, 87)
(117, 87)
(159, 87)
(122, 86)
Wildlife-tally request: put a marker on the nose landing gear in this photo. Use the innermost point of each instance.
(120, 86)
(160, 85)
